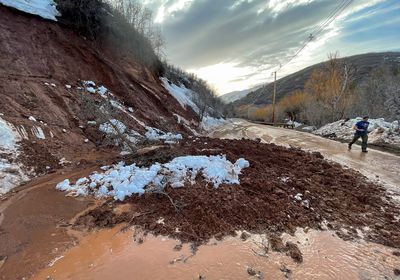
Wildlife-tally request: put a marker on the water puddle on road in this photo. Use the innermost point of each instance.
(112, 254)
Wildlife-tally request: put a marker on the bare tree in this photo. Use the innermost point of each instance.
(393, 97)
(105, 113)
(331, 91)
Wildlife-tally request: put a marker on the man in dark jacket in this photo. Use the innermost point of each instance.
(361, 129)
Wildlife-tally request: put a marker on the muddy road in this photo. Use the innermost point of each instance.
(375, 165)
(38, 241)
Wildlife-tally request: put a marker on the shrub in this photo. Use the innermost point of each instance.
(102, 22)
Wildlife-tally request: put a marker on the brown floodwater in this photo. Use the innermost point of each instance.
(112, 254)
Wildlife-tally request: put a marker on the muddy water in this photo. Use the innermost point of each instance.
(111, 254)
(375, 165)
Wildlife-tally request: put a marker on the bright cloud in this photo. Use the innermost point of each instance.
(237, 44)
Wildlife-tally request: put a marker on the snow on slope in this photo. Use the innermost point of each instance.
(181, 94)
(11, 174)
(122, 180)
(43, 8)
(209, 123)
(380, 131)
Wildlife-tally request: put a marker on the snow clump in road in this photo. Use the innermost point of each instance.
(121, 181)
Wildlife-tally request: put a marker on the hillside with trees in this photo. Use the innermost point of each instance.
(336, 89)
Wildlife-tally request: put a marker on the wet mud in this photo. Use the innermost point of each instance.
(283, 189)
(112, 254)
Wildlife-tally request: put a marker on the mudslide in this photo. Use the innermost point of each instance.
(375, 165)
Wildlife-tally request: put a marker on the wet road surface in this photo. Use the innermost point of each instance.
(376, 165)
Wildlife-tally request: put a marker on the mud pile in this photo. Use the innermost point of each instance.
(281, 190)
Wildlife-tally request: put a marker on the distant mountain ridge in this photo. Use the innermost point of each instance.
(364, 64)
(235, 95)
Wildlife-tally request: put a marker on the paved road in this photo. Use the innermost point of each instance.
(376, 165)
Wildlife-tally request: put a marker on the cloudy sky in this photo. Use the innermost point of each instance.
(237, 44)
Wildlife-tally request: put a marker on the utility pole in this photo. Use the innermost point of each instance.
(273, 100)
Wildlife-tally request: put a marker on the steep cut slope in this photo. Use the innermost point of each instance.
(364, 64)
(43, 67)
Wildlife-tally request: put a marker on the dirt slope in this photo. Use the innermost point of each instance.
(34, 52)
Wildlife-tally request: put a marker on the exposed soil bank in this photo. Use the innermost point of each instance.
(331, 197)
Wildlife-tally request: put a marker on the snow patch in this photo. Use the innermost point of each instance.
(32, 119)
(154, 134)
(112, 127)
(380, 131)
(11, 173)
(8, 137)
(294, 123)
(210, 123)
(120, 180)
(181, 94)
(38, 132)
(43, 8)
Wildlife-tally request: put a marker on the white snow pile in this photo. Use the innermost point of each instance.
(112, 127)
(183, 95)
(43, 8)
(11, 174)
(308, 128)
(121, 181)
(155, 134)
(115, 128)
(380, 131)
(91, 87)
(209, 123)
(294, 123)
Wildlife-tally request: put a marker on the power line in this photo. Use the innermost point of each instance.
(332, 13)
(331, 17)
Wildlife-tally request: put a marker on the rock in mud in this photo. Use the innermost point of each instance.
(294, 252)
(277, 244)
(252, 272)
(244, 236)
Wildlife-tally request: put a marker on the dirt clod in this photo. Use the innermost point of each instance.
(294, 252)
(277, 244)
(254, 273)
(244, 236)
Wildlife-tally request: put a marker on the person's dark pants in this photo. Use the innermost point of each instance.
(364, 139)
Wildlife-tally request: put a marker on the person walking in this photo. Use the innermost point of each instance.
(361, 131)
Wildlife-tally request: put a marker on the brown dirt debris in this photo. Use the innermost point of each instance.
(342, 199)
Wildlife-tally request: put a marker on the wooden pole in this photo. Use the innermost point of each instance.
(273, 100)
